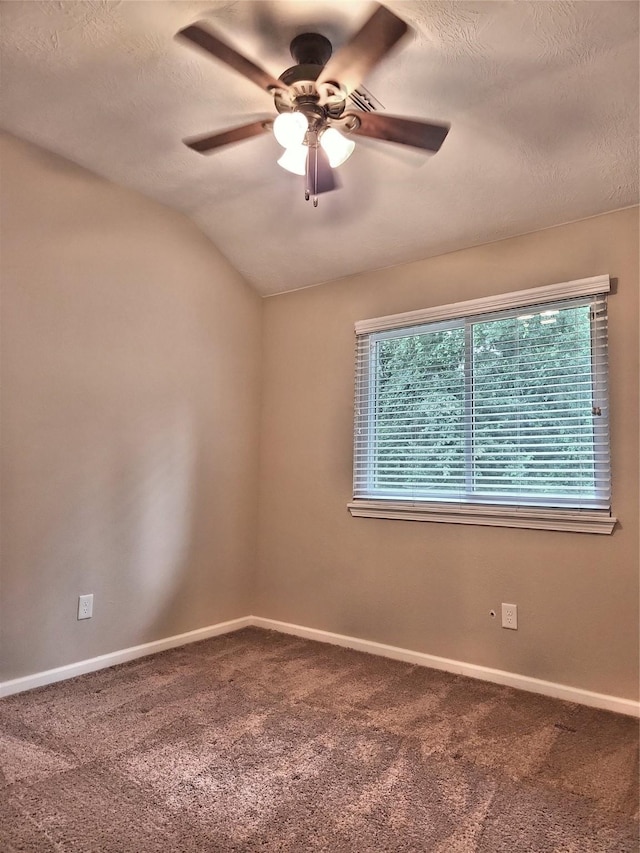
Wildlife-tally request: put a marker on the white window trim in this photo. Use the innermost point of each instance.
(489, 304)
(530, 517)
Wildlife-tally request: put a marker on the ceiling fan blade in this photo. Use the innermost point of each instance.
(351, 64)
(199, 35)
(205, 144)
(405, 131)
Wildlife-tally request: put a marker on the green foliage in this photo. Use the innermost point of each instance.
(507, 412)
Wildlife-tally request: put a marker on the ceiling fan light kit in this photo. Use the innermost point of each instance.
(290, 129)
(338, 147)
(294, 159)
(311, 98)
(293, 132)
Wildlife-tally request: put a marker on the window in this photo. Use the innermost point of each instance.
(491, 411)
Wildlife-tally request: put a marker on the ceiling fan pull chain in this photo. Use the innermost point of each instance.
(309, 177)
(315, 176)
(311, 190)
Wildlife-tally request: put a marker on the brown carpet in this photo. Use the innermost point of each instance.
(257, 741)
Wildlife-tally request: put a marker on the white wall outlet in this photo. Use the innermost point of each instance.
(85, 606)
(510, 616)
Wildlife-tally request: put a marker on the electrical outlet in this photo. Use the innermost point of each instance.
(85, 606)
(510, 616)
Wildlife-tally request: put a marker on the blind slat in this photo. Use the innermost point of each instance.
(514, 403)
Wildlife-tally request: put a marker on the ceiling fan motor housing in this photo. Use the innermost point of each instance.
(311, 49)
(311, 52)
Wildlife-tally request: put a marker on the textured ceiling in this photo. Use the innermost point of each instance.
(542, 98)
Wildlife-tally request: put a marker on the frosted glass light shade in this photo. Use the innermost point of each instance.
(294, 159)
(337, 147)
(289, 129)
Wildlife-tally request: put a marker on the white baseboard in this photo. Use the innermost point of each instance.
(483, 673)
(61, 673)
(497, 676)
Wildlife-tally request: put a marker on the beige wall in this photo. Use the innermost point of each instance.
(131, 423)
(130, 410)
(427, 586)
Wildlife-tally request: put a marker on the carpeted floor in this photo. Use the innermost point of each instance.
(256, 741)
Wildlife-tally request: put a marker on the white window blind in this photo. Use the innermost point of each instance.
(501, 407)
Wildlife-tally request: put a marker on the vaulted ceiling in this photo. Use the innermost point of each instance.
(542, 98)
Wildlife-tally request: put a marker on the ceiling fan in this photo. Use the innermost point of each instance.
(313, 124)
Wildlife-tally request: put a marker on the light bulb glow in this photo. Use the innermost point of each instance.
(337, 147)
(289, 129)
(294, 159)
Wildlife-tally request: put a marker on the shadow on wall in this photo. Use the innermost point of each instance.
(129, 393)
(149, 490)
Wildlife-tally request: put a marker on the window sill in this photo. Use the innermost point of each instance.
(532, 518)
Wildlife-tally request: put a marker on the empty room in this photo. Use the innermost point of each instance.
(320, 403)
